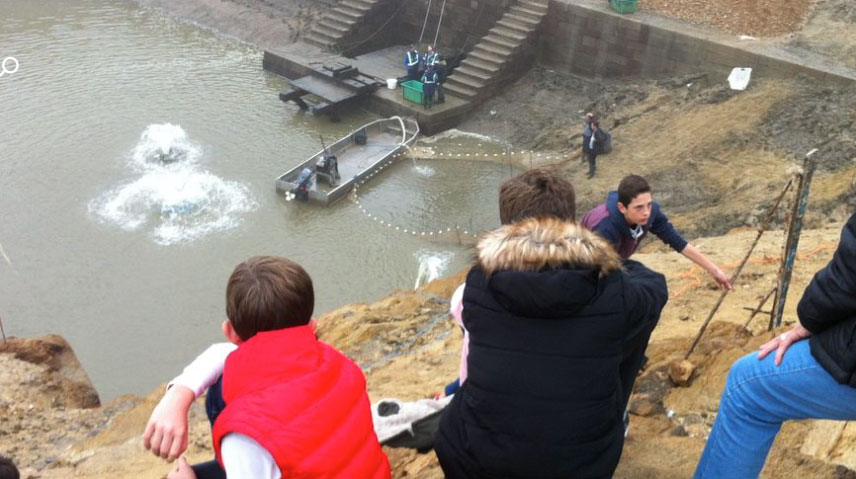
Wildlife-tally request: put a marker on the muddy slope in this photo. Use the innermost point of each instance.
(410, 349)
(715, 158)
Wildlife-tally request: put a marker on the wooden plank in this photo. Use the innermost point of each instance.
(322, 108)
(289, 95)
(323, 88)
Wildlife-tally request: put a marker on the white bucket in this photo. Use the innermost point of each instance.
(392, 83)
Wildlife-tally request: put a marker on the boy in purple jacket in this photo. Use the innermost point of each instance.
(630, 213)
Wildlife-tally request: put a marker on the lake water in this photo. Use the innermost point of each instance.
(128, 257)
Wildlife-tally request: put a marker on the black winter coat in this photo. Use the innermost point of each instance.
(599, 140)
(828, 310)
(543, 396)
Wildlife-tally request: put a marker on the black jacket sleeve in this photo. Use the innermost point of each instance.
(831, 295)
(645, 295)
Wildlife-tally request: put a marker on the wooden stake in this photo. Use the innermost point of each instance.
(793, 239)
(2, 331)
(761, 230)
(760, 305)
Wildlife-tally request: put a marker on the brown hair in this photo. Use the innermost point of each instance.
(537, 192)
(631, 187)
(265, 293)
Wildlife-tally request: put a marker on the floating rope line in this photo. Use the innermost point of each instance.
(456, 230)
(460, 232)
(505, 154)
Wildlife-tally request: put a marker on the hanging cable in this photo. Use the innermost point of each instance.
(425, 22)
(355, 45)
(439, 22)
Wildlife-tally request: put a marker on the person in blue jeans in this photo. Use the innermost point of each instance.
(816, 379)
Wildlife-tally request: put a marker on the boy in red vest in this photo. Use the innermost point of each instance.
(294, 406)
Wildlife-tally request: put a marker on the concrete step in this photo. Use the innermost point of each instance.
(367, 3)
(340, 18)
(459, 91)
(356, 5)
(333, 26)
(323, 36)
(498, 55)
(326, 32)
(498, 51)
(474, 73)
(486, 57)
(466, 82)
(317, 40)
(350, 12)
(538, 6)
(523, 11)
(518, 27)
(501, 41)
(522, 19)
(508, 33)
(488, 68)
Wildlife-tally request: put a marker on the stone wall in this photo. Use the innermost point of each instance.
(589, 39)
(464, 23)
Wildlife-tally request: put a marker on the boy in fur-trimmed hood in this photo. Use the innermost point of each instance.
(557, 325)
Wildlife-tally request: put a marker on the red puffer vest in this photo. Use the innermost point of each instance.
(305, 403)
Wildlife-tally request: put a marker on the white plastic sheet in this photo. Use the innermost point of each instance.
(739, 78)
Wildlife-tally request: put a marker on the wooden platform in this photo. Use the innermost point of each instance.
(300, 60)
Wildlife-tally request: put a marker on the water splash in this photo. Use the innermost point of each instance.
(454, 133)
(424, 170)
(432, 264)
(174, 200)
(161, 145)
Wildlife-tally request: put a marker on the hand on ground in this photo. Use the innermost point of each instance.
(782, 342)
(166, 432)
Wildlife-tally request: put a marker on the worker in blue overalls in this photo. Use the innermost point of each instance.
(430, 58)
(411, 62)
(429, 86)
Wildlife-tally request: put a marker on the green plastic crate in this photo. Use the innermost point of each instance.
(412, 90)
(623, 6)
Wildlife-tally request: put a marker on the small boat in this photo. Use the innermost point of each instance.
(332, 172)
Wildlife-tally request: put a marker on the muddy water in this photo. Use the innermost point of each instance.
(126, 254)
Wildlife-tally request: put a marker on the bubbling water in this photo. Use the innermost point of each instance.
(172, 198)
(161, 145)
(432, 264)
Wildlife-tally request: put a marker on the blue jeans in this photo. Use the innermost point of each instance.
(214, 405)
(758, 397)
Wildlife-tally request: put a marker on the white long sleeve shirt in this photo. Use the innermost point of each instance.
(243, 457)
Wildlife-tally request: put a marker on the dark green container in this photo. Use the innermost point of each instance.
(623, 6)
(412, 90)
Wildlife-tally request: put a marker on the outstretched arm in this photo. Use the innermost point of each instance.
(697, 257)
(166, 432)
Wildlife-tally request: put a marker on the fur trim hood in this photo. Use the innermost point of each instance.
(535, 244)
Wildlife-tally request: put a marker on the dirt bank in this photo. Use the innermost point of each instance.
(715, 157)
(410, 349)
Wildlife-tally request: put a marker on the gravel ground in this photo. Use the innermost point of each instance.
(759, 18)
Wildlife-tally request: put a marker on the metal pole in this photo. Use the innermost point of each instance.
(794, 235)
(760, 305)
(2, 331)
(761, 230)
